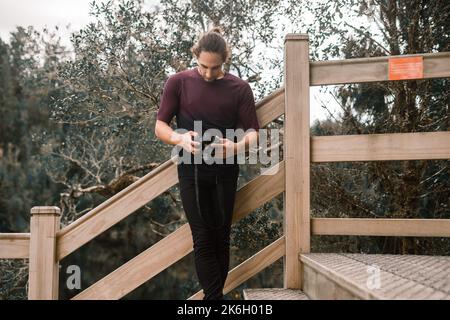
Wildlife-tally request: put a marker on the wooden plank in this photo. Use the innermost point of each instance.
(270, 108)
(141, 268)
(251, 266)
(435, 65)
(378, 147)
(381, 227)
(116, 208)
(43, 266)
(258, 191)
(274, 294)
(14, 245)
(325, 279)
(297, 157)
(179, 243)
(400, 276)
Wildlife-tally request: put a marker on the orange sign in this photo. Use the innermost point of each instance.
(405, 68)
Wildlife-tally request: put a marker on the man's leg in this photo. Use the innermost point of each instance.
(226, 188)
(204, 237)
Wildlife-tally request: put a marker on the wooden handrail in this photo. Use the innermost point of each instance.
(381, 147)
(251, 266)
(435, 65)
(270, 108)
(142, 191)
(14, 245)
(116, 208)
(141, 268)
(179, 243)
(381, 227)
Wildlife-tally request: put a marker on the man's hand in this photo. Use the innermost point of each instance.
(186, 141)
(226, 148)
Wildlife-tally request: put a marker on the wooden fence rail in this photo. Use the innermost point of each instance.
(14, 245)
(381, 227)
(360, 70)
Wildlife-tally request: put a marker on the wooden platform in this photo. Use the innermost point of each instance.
(335, 276)
(351, 276)
(274, 294)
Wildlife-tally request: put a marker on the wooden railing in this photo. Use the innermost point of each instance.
(14, 245)
(46, 245)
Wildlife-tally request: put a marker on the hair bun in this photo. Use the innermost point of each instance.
(212, 41)
(217, 30)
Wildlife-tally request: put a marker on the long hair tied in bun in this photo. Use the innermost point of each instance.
(212, 41)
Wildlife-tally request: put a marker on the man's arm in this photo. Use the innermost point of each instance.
(226, 148)
(250, 139)
(167, 135)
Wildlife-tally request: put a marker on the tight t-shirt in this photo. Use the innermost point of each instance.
(225, 103)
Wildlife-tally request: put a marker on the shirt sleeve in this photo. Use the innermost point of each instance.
(247, 110)
(170, 100)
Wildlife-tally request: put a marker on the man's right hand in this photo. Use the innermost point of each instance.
(186, 141)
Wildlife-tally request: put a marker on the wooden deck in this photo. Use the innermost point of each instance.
(400, 276)
(334, 276)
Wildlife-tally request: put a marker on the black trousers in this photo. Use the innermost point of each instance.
(208, 201)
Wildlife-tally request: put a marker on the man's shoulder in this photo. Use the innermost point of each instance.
(236, 79)
(181, 75)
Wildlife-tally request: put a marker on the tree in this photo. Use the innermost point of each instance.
(24, 112)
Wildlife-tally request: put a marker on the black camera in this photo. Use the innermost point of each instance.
(206, 143)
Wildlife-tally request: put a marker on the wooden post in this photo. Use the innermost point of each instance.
(43, 266)
(297, 156)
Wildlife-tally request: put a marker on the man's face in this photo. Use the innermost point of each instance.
(210, 66)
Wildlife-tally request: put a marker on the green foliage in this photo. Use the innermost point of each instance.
(23, 110)
(260, 228)
(13, 279)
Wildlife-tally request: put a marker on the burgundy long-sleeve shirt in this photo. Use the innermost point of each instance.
(225, 103)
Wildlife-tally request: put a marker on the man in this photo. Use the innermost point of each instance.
(220, 101)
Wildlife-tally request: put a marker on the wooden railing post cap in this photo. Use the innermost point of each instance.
(46, 210)
(296, 36)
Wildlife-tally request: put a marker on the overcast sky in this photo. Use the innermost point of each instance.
(75, 13)
(43, 13)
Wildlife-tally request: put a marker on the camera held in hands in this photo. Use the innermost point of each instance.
(207, 144)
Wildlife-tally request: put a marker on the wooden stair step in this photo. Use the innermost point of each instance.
(349, 276)
(274, 294)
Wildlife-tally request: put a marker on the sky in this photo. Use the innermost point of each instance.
(74, 14)
(43, 13)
